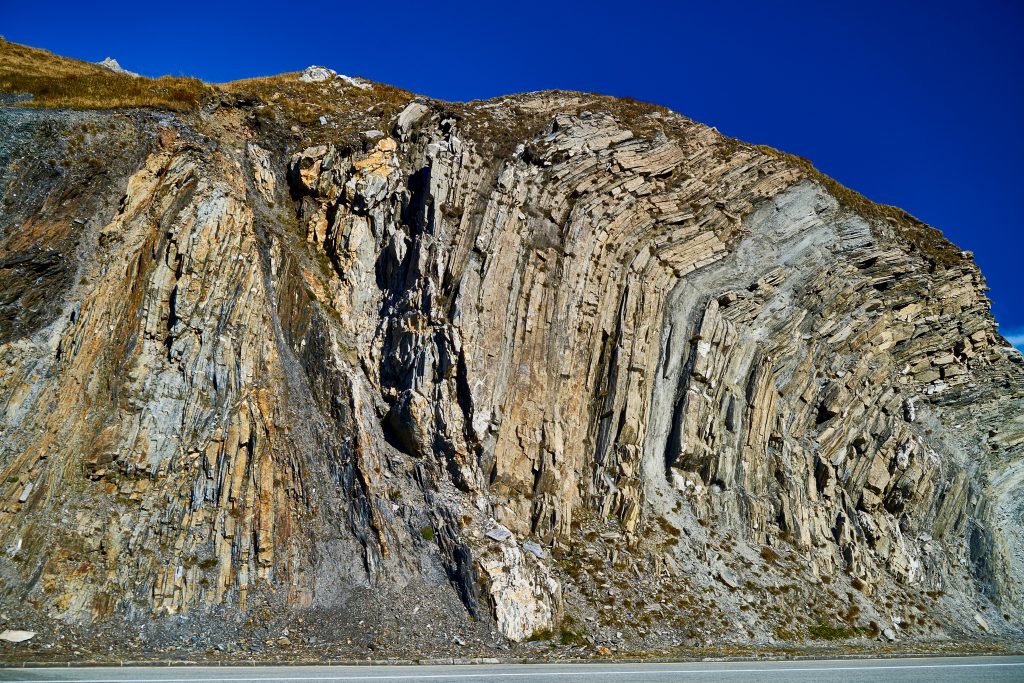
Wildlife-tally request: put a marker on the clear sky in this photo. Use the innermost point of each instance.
(917, 104)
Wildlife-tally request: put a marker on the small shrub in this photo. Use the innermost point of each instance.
(668, 528)
(568, 638)
(851, 614)
(826, 632)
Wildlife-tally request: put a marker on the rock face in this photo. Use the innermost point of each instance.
(556, 356)
(113, 65)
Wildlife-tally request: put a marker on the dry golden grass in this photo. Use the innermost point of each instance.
(59, 82)
(288, 89)
(931, 242)
(348, 108)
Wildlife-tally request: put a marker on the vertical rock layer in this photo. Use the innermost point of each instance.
(476, 350)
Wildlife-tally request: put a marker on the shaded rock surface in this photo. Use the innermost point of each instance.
(570, 366)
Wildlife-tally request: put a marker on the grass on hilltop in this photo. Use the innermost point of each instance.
(932, 244)
(346, 108)
(60, 82)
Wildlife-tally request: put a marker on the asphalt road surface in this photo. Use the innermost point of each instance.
(932, 670)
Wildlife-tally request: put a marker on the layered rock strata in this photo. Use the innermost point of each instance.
(477, 350)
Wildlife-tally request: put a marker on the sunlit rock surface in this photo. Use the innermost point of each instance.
(251, 364)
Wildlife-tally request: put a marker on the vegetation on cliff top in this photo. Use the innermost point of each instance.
(929, 240)
(337, 114)
(54, 81)
(329, 111)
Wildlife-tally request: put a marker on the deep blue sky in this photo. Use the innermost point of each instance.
(914, 104)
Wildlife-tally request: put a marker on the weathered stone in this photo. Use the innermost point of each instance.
(499, 533)
(534, 549)
(113, 65)
(301, 368)
(315, 74)
(980, 621)
(16, 636)
(526, 598)
(727, 577)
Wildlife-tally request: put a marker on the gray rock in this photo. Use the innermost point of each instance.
(356, 82)
(111, 63)
(909, 410)
(728, 578)
(316, 74)
(499, 533)
(534, 549)
(410, 115)
(980, 620)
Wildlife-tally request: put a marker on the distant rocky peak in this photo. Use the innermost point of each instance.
(112, 64)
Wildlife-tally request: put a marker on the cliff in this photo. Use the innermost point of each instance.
(312, 352)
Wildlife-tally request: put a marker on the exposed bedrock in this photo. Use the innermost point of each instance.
(246, 372)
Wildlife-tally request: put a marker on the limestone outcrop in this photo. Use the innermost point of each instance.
(575, 364)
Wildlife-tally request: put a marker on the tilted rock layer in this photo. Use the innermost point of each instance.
(578, 364)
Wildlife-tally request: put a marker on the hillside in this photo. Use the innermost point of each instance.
(310, 366)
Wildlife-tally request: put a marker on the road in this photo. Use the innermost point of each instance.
(932, 670)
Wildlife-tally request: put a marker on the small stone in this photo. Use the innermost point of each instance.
(15, 636)
(355, 82)
(726, 577)
(534, 549)
(499, 533)
(889, 634)
(981, 622)
(909, 410)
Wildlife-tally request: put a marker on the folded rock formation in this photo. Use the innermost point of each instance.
(566, 363)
